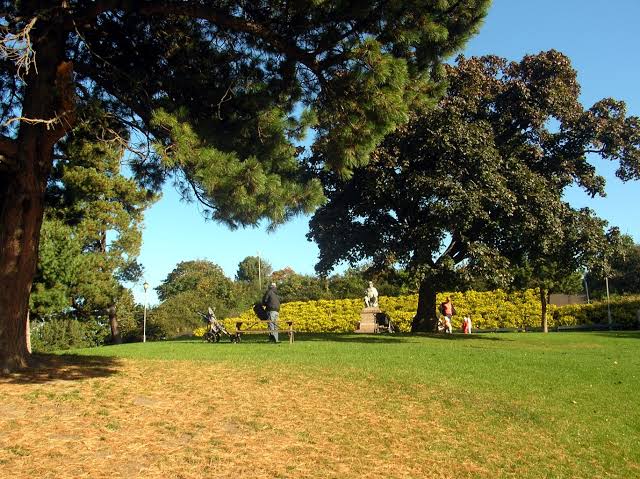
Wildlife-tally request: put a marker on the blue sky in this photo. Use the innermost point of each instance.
(601, 38)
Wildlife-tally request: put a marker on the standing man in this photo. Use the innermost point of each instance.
(271, 302)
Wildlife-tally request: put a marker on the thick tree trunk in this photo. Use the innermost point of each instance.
(426, 318)
(21, 212)
(22, 189)
(543, 302)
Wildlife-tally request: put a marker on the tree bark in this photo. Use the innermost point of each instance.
(116, 337)
(21, 212)
(22, 190)
(543, 302)
(426, 318)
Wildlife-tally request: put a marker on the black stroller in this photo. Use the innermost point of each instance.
(215, 329)
(384, 324)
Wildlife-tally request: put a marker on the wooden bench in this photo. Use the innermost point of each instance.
(244, 327)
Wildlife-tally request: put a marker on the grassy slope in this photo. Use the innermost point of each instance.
(511, 405)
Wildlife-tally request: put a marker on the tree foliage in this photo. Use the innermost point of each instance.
(189, 289)
(211, 89)
(621, 265)
(253, 269)
(474, 187)
(93, 231)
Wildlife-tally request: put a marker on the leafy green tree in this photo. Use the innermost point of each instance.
(59, 265)
(282, 274)
(191, 288)
(582, 243)
(254, 271)
(201, 276)
(302, 287)
(212, 87)
(474, 187)
(622, 265)
(103, 211)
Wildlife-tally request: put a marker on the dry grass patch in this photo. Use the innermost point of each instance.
(199, 419)
(123, 418)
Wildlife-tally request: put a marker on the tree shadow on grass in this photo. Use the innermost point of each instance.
(67, 367)
(626, 334)
(465, 337)
(397, 338)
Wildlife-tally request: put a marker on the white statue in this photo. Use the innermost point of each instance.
(371, 296)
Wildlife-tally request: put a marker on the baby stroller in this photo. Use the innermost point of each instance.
(384, 324)
(215, 329)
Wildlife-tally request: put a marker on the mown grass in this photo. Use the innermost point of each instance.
(503, 405)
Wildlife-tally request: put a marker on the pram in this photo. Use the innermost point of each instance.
(384, 324)
(215, 329)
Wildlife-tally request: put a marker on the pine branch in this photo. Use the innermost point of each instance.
(196, 10)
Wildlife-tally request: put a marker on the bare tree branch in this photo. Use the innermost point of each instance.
(17, 48)
(50, 123)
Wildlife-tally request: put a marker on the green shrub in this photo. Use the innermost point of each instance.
(61, 334)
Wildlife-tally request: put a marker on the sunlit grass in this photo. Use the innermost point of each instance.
(511, 405)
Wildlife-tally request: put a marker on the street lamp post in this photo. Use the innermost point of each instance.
(606, 282)
(259, 273)
(144, 318)
(586, 286)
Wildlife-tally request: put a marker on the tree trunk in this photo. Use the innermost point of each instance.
(21, 212)
(116, 338)
(22, 189)
(426, 318)
(543, 302)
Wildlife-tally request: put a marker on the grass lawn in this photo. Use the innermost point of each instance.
(561, 405)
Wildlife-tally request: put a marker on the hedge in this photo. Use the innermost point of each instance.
(487, 310)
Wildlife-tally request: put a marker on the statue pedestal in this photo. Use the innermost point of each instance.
(368, 320)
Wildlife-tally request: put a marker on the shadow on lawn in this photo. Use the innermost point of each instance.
(628, 334)
(393, 338)
(67, 367)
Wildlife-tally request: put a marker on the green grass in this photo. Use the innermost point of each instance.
(569, 401)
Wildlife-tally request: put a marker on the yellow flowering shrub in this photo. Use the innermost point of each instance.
(487, 310)
(199, 332)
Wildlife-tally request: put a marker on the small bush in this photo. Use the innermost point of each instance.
(62, 334)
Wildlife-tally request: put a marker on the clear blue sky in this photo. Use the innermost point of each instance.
(601, 38)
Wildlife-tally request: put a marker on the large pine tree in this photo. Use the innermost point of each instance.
(212, 86)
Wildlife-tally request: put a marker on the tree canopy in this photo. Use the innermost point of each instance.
(254, 269)
(475, 185)
(210, 90)
(91, 235)
(189, 289)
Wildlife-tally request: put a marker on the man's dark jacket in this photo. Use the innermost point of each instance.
(271, 300)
